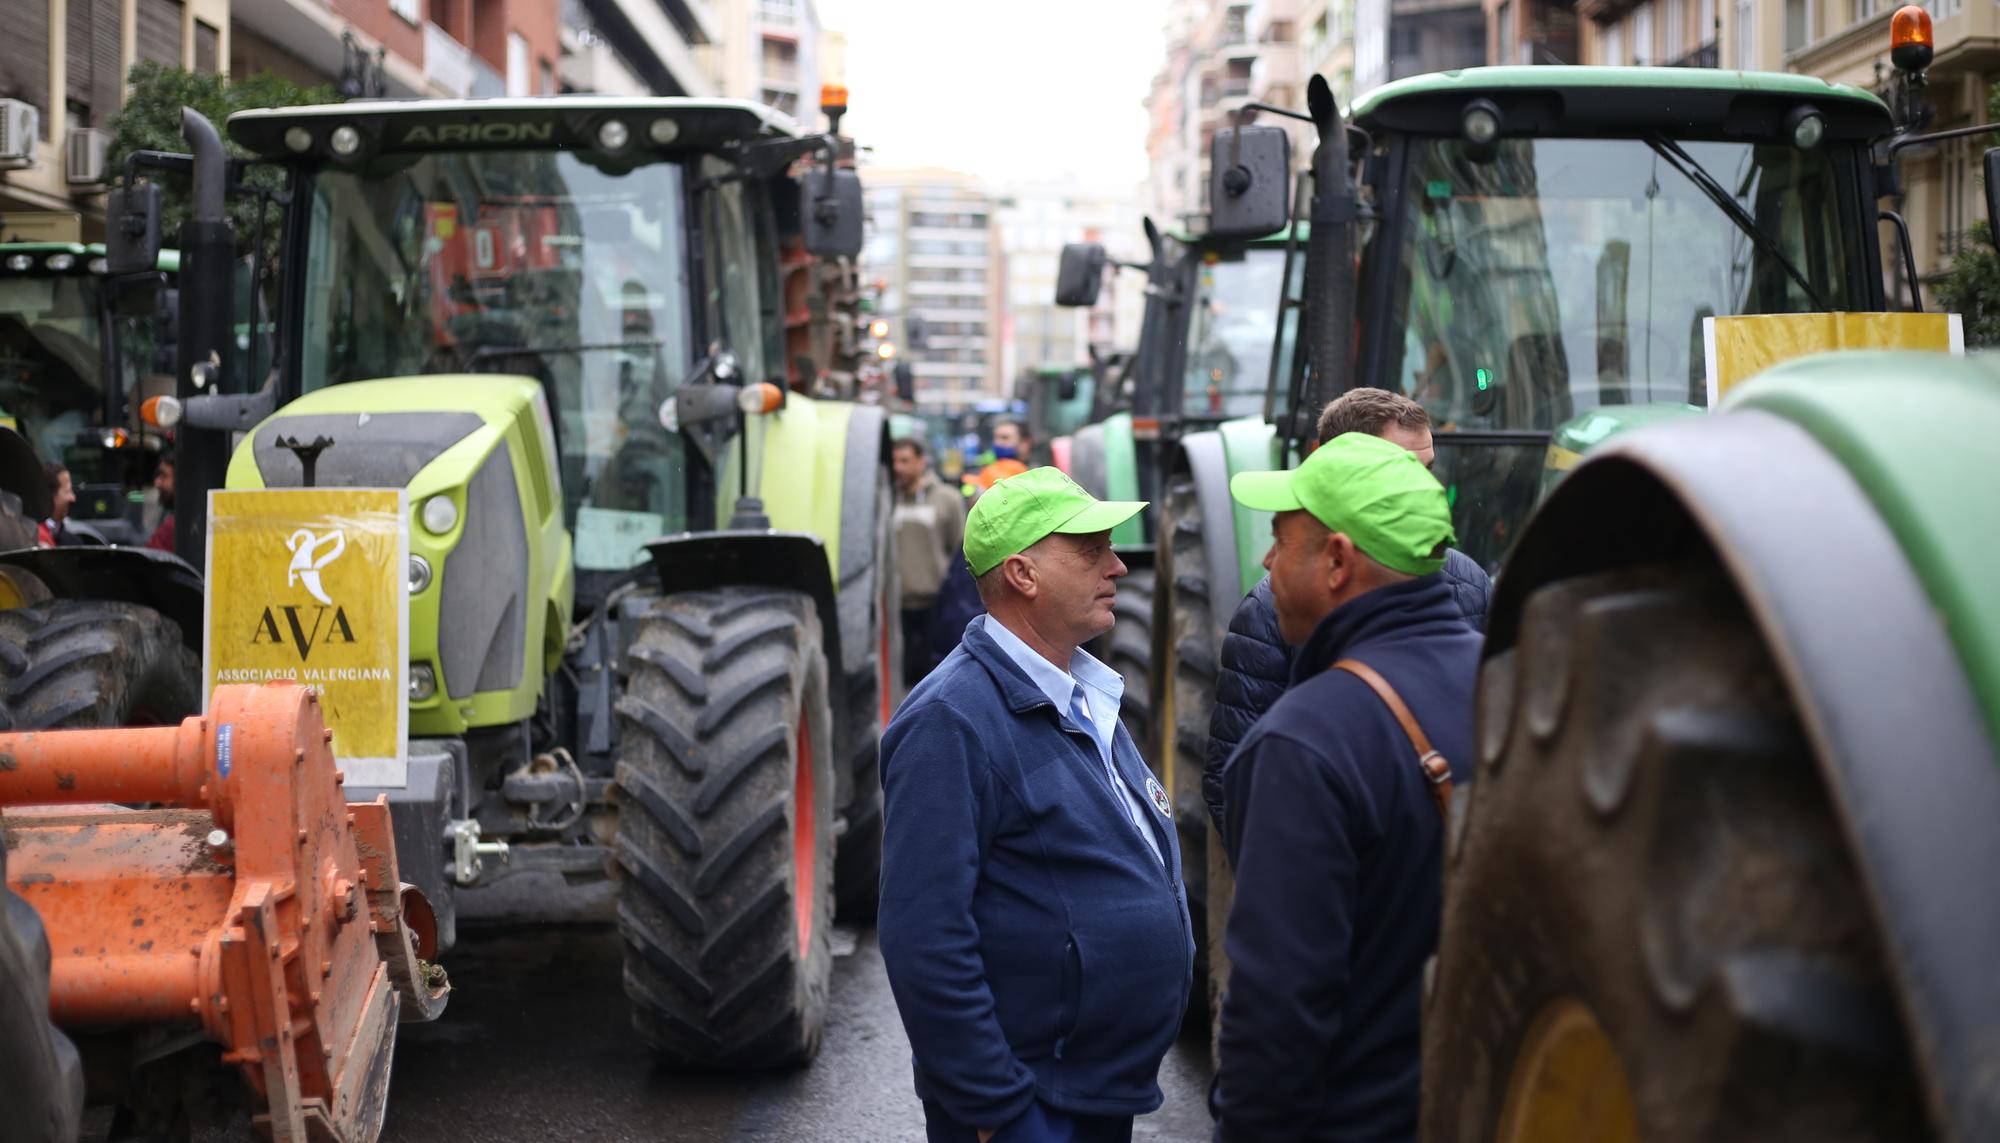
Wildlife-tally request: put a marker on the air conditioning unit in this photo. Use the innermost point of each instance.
(88, 148)
(20, 126)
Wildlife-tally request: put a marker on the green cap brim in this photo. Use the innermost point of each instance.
(1101, 516)
(1265, 491)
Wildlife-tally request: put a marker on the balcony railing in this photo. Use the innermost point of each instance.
(1707, 55)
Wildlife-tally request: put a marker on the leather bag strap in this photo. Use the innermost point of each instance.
(1437, 771)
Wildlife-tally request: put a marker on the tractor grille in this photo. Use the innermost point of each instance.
(370, 450)
(482, 615)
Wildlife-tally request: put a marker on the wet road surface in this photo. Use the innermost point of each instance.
(536, 1045)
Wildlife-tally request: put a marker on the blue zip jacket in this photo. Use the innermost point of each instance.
(1256, 662)
(1337, 845)
(1037, 947)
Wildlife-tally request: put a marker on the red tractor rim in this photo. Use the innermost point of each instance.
(884, 657)
(805, 839)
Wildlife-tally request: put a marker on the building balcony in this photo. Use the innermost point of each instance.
(1707, 55)
(448, 64)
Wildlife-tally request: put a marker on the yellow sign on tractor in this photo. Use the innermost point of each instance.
(1741, 347)
(311, 584)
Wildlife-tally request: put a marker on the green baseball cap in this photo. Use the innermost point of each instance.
(1021, 509)
(1377, 493)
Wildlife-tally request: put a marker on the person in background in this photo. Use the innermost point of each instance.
(1255, 661)
(62, 496)
(1032, 922)
(930, 527)
(162, 538)
(1010, 453)
(1336, 801)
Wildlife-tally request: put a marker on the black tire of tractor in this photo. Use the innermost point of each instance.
(1648, 837)
(68, 663)
(1128, 649)
(41, 1076)
(1194, 645)
(857, 865)
(713, 883)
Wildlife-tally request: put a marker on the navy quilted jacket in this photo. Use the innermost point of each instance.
(1255, 664)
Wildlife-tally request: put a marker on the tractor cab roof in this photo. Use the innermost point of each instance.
(606, 125)
(1572, 101)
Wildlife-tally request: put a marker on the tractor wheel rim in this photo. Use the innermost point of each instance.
(805, 839)
(882, 684)
(1568, 1082)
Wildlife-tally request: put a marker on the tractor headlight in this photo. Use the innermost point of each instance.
(1808, 128)
(18, 262)
(420, 574)
(440, 514)
(423, 682)
(345, 140)
(612, 135)
(298, 140)
(60, 262)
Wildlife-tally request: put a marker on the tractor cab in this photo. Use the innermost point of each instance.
(1539, 244)
(78, 355)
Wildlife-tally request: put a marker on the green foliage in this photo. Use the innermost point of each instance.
(151, 121)
(1972, 288)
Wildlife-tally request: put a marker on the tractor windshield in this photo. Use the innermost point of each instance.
(1233, 311)
(533, 263)
(1562, 275)
(51, 363)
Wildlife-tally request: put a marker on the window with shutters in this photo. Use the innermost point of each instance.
(24, 58)
(1642, 34)
(518, 76)
(95, 77)
(1746, 35)
(1675, 30)
(160, 31)
(207, 47)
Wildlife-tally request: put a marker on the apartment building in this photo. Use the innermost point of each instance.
(402, 49)
(637, 47)
(1035, 220)
(1398, 38)
(934, 246)
(1531, 31)
(768, 51)
(64, 63)
(1680, 33)
(1326, 45)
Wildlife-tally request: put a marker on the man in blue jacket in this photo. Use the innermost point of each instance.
(1254, 662)
(1334, 827)
(1032, 917)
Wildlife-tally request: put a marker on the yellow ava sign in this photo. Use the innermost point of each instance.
(311, 584)
(1739, 348)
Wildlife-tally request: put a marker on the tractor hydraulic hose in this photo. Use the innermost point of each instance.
(1330, 276)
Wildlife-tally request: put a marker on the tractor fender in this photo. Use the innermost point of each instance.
(21, 473)
(159, 580)
(865, 469)
(1898, 734)
(1203, 457)
(793, 561)
(1086, 461)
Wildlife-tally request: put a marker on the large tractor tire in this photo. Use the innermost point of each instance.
(874, 688)
(41, 1077)
(725, 828)
(93, 663)
(1128, 649)
(1193, 647)
(1653, 925)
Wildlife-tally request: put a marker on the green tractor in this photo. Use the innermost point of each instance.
(652, 604)
(97, 631)
(1740, 702)
(1531, 253)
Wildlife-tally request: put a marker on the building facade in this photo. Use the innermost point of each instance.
(67, 61)
(638, 47)
(1035, 221)
(934, 248)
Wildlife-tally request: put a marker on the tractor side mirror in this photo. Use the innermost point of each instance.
(1066, 387)
(1993, 194)
(833, 213)
(132, 238)
(1249, 182)
(1079, 274)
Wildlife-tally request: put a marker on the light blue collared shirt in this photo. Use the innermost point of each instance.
(1102, 688)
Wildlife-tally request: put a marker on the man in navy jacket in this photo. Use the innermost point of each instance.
(1255, 664)
(1333, 828)
(1032, 918)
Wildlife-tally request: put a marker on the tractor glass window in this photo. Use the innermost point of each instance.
(526, 262)
(1565, 274)
(737, 281)
(1568, 275)
(1230, 325)
(51, 384)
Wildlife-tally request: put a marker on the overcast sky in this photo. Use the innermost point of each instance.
(1026, 89)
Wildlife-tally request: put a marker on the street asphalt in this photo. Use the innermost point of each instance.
(537, 1045)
